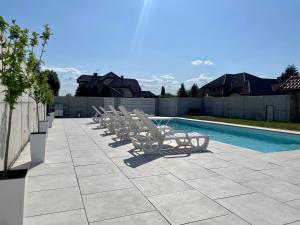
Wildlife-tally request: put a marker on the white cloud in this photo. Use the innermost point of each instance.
(200, 80)
(71, 70)
(203, 62)
(197, 62)
(168, 76)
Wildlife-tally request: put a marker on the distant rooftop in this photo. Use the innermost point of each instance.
(240, 83)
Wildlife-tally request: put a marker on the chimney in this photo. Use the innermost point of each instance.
(122, 77)
(95, 74)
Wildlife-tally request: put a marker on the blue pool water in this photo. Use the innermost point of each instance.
(255, 139)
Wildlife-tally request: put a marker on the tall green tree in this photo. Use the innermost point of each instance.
(194, 91)
(182, 91)
(17, 60)
(291, 70)
(52, 80)
(39, 85)
(163, 91)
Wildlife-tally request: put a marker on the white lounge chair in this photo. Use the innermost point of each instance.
(109, 119)
(120, 125)
(137, 129)
(155, 139)
(97, 116)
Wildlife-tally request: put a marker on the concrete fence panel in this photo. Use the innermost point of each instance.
(246, 107)
(167, 107)
(254, 107)
(184, 105)
(107, 102)
(148, 105)
(251, 107)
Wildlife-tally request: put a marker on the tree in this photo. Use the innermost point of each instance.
(181, 91)
(291, 70)
(194, 91)
(69, 95)
(163, 91)
(39, 91)
(53, 81)
(47, 96)
(17, 60)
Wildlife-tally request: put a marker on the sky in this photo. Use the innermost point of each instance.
(163, 42)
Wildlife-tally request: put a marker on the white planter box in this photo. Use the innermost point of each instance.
(37, 147)
(12, 192)
(50, 120)
(43, 126)
(52, 116)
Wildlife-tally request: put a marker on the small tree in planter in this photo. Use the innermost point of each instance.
(38, 91)
(14, 76)
(47, 99)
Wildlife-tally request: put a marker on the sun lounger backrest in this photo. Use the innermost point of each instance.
(104, 110)
(97, 111)
(152, 128)
(128, 117)
(114, 112)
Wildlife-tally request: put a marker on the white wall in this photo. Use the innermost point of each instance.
(23, 123)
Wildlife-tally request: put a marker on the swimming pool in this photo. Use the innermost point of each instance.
(255, 139)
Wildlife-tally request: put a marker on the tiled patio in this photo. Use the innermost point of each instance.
(88, 178)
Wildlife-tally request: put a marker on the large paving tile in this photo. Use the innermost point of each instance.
(58, 158)
(218, 187)
(109, 182)
(222, 220)
(240, 174)
(295, 223)
(212, 162)
(260, 209)
(165, 163)
(289, 174)
(89, 160)
(96, 169)
(149, 218)
(45, 202)
(76, 147)
(39, 183)
(275, 188)
(161, 184)
(143, 171)
(48, 169)
(118, 153)
(254, 164)
(230, 156)
(60, 152)
(290, 163)
(87, 153)
(186, 207)
(136, 161)
(112, 204)
(190, 171)
(76, 217)
(294, 203)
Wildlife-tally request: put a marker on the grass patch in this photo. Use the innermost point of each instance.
(257, 123)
